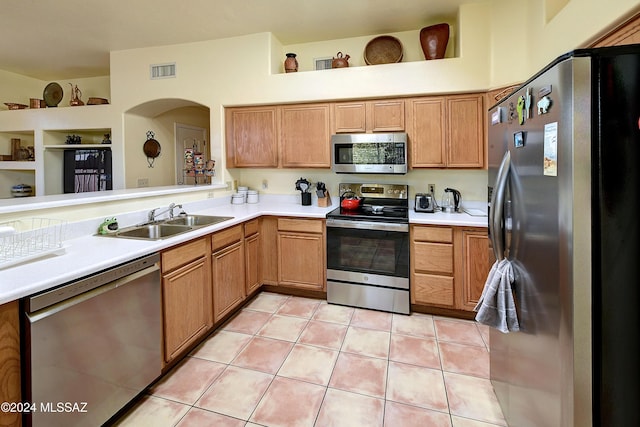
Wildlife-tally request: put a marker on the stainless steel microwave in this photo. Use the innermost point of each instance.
(382, 153)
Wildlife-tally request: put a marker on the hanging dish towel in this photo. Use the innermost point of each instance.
(496, 307)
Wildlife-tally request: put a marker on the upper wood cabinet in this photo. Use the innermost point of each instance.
(305, 136)
(446, 131)
(252, 137)
(369, 116)
(465, 131)
(290, 136)
(426, 118)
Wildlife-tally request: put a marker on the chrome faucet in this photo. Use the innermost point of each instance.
(153, 215)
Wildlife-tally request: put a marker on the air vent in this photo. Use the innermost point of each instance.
(322, 63)
(163, 71)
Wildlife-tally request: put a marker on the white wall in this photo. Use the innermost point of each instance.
(524, 39)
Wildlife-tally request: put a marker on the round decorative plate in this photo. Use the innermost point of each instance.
(151, 148)
(52, 94)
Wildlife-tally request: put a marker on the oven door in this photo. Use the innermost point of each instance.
(378, 250)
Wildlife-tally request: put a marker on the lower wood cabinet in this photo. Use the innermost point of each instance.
(301, 253)
(432, 281)
(252, 255)
(228, 270)
(476, 260)
(186, 296)
(10, 361)
(449, 266)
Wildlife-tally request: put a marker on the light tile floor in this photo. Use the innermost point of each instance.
(291, 361)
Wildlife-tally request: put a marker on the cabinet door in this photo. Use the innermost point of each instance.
(386, 116)
(301, 261)
(268, 256)
(10, 361)
(228, 279)
(477, 263)
(186, 296)
(252, 258)
(426, 131)
(465, 131)
(350, 117)
(433, 257)
(306, 136)
(251, 137)
(432, 289)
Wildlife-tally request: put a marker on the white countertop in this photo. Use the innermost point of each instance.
(87, 253)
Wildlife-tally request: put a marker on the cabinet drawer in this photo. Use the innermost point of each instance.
(432, 289)
(434, 257)
(223, 238)
(300, 225)
(251, 227)
(433, 234)
(183, 254)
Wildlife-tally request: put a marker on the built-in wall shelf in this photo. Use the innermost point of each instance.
(17, 165)
(76, 146)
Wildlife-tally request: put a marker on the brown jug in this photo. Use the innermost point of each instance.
(340, 61)
(291, 63)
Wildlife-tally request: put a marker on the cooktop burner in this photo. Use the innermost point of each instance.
(378, 202)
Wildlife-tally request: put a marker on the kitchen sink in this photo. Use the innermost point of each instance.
(152, 231)
(197, 220)
(169, 227)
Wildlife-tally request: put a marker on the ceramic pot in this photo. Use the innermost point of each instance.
(291, 63)
(340, 61)
(433, 40)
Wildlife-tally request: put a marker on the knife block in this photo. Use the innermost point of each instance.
(325, 201)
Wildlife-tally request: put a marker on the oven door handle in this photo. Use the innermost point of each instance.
(367, 225)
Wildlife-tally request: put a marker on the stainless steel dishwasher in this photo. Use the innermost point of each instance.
(92, 345)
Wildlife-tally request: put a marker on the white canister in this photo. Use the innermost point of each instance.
(237, 199)
(243, 191)
(252, 196)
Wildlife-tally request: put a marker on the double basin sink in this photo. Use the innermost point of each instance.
(169, 227)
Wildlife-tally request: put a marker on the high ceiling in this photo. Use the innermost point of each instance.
(66, 39)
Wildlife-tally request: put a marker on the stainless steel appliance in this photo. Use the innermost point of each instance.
(381, 153)
(565, 184)
(368, 249)
(424, 203)
(93, 345)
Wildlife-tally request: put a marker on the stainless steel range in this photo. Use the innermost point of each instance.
(368, 248)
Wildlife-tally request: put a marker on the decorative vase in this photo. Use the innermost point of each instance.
(433, 40)
(340, 61)
(291, 63)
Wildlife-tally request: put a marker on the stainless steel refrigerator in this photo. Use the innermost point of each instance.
(564, 190)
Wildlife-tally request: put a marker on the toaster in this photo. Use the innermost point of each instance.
(424, 203)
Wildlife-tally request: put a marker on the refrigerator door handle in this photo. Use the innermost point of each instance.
(496, 214)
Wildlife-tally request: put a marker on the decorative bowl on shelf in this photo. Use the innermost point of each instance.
(14, 106)
(383, 50)
(97, 101)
